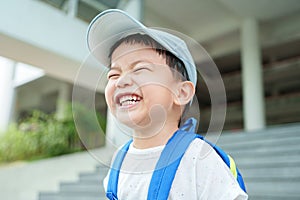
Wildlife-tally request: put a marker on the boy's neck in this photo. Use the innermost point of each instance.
(141, 141)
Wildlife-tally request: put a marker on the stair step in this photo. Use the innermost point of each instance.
(278, 164)
(260, 135)
(274, 159)
(91, 177)
(102, 167)
(82, 187)
(70, 196)
(286, 172)
(265, 151)
(267, 143)
(88, 187)
(273, 197)
(273, 188)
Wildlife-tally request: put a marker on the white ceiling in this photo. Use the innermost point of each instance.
(196, 18)
(206, 20)
(263, 9)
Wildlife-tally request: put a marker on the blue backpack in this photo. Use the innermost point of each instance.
(166, 167)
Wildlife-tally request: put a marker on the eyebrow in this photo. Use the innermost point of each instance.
(114, 68)
(131, 65)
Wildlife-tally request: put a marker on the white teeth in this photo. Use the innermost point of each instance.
(129, 99)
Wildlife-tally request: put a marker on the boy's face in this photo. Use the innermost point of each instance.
(141, 87)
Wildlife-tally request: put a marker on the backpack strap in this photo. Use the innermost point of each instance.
(189, 125)
(112, 186)
(166, 167)
(230, 163)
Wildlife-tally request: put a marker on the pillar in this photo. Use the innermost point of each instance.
(135, 8)
(72, 7)
(64, 97)
(7, 91)
(252, 77)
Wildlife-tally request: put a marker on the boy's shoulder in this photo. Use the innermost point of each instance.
(201, 151)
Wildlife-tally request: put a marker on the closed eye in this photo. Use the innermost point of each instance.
(112, 76)
(113, 72)
(140, 69)
(137, 69)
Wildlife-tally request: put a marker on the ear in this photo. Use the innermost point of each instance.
(185, 93)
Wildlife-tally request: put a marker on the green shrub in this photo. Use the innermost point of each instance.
(15, 145)
(42, 135)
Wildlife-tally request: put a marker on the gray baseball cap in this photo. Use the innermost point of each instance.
(113, 24)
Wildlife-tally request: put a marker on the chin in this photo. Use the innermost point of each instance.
(132, 120)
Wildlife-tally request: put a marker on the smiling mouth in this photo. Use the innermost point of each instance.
(128, 100)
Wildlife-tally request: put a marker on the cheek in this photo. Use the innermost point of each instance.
(158, 94)
(109, 91)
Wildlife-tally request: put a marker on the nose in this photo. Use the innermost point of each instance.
(124, 80)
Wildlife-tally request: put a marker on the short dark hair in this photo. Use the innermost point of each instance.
(171, 60)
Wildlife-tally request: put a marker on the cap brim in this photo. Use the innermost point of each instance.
(107, 28)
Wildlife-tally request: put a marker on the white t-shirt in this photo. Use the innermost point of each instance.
(201, 174)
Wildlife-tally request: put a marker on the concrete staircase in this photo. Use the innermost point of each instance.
(269, 161)
(88, 187)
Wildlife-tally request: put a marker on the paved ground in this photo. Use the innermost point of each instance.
(23, 180)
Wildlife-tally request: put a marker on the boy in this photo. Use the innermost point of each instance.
(151, 83)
